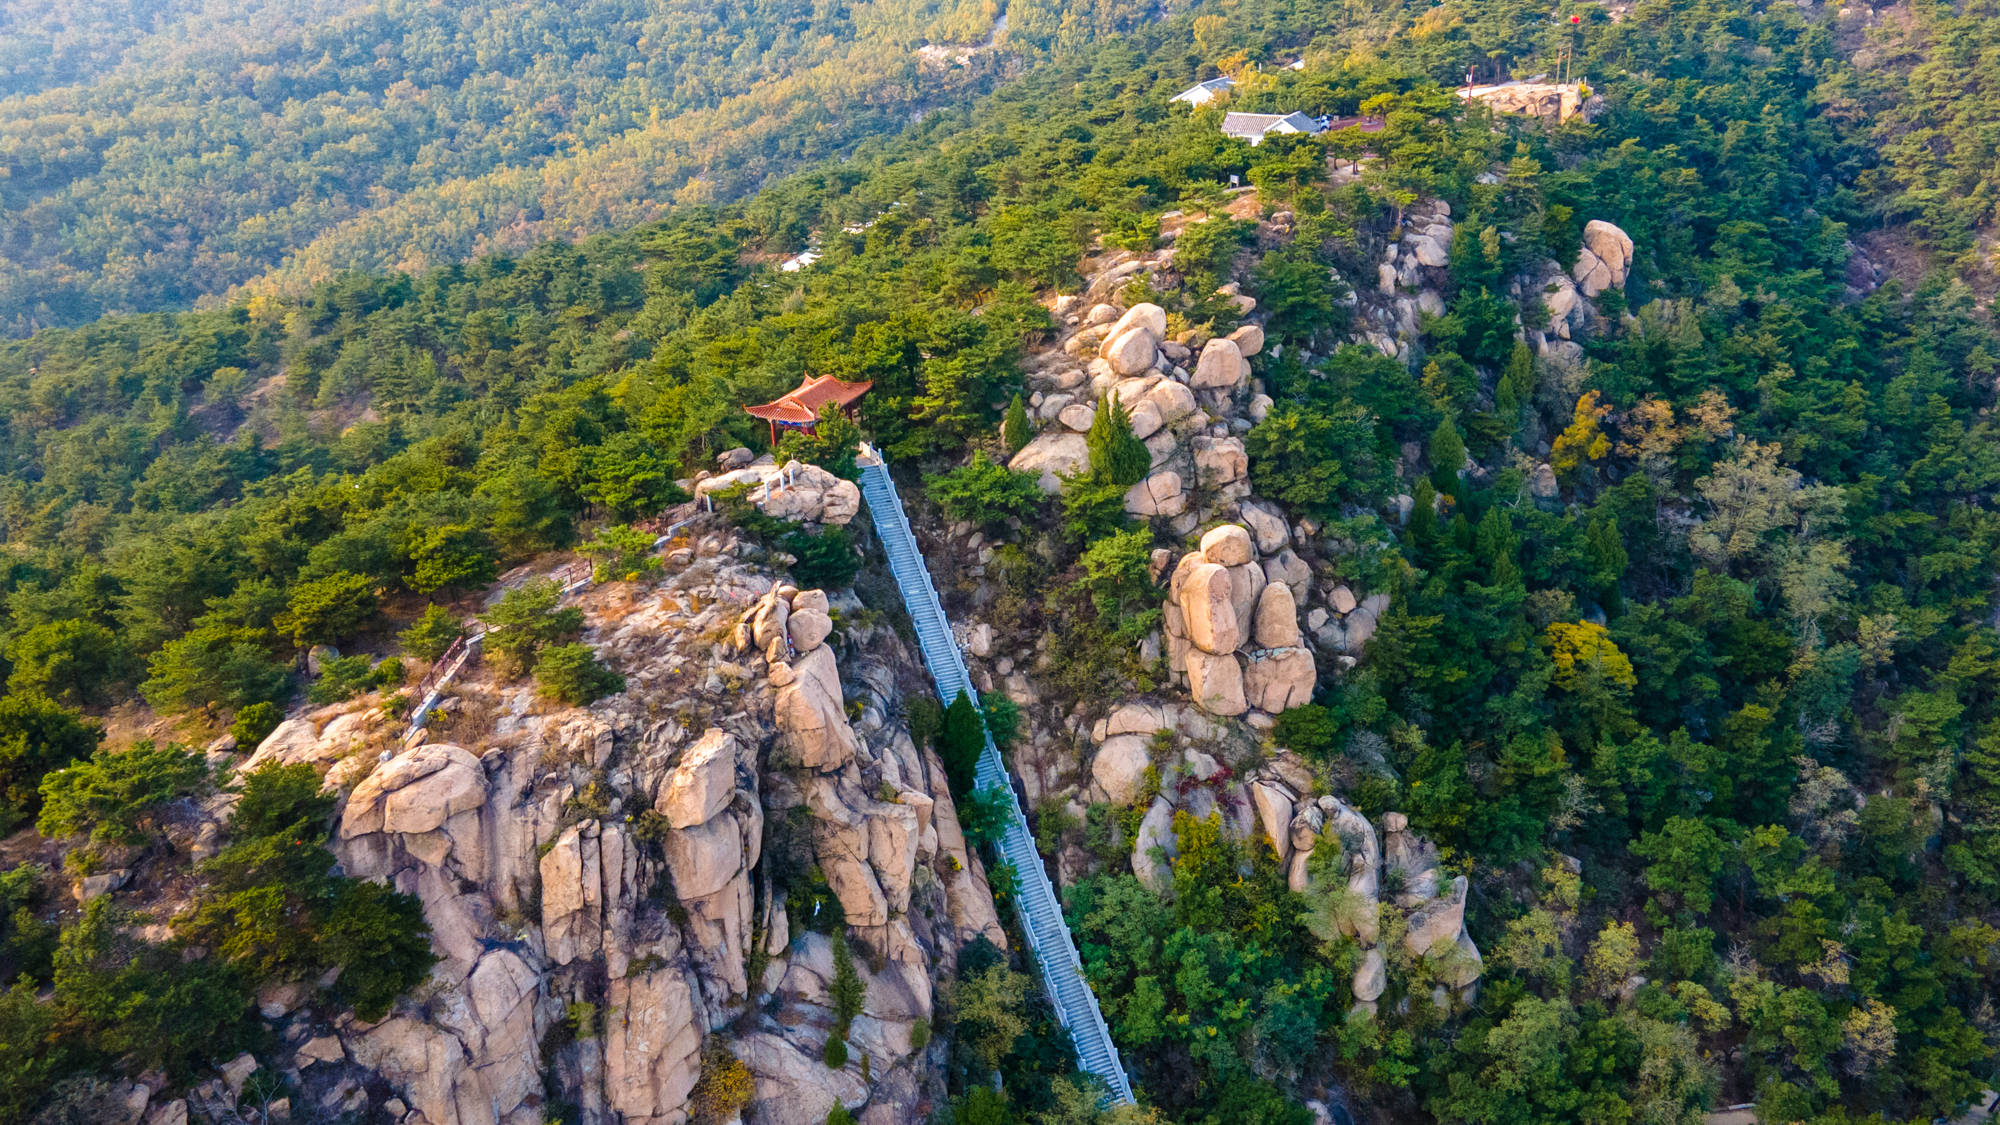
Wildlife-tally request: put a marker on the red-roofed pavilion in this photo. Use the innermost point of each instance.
(799, 409)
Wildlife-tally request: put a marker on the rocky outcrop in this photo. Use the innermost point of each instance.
(612, 861)
(1551, 101)
(1233, 633)
(1052, 455)
(1605, 259)
(792, 491)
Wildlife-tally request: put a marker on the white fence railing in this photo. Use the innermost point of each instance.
(1039, 910)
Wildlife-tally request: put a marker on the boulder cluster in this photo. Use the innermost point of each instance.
(878, 818)
(1604, 260)
(1182, 403)
(1408, 281)
(793, 491)
(1232, 627)
(613, 859)
(1325, 838)
(1274, 799)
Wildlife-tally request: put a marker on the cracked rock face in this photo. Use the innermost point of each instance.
(617, 857)
(1233, 631)
(1604, 261)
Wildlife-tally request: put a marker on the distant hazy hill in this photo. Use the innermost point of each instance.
(157, 153)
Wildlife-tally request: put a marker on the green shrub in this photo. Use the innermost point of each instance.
(1003, 880)
(380, 938)
(1118, 576)
(827, 559)
(27, 939)
(123, 997)
(527, 620)
(431, 634)
(1091, 509)
(1314, 458)
(835, 1055)
(278, 796)
(572, 674)
(925, 718)
(254, 724)
(839, 1115)
(984, 814)
(986, 494)
(1311, 730)
(36, 736)
(623, 554)
(1003, 719)
(345, 677)
(112, 795)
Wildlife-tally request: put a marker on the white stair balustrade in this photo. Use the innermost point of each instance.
(1035, 900)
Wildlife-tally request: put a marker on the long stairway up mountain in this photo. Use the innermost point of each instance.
(1040, 912)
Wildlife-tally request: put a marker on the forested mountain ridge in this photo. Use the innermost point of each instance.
(1929, 77)
(1638, 549)
(150, 163)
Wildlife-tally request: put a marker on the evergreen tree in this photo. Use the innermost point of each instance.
(1014, 430)
(960, 742)
(1447, 452)
(1516, 390)
(1423, 513)
(1116, 454)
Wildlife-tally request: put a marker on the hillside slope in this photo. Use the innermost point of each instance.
(1493, 618)
(149, 162)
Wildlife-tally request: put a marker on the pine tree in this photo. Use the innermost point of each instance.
(1423, 517)
(1605, 548)
(960, 742)
(1014, 432)
(1116, 454)
(1447, 452)
(1516, 389)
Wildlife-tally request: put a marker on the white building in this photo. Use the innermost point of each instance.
(1254, 127)
(1202, 93)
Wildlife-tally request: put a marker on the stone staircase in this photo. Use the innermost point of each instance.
(1040, 912)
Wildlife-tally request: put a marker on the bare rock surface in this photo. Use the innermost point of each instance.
(1604, 260)
(612, 856)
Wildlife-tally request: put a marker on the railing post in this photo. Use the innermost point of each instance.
(1036, 904)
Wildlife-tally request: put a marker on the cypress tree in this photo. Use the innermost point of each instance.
(1116, 454)
(959, 743)
(1423, 517)
(1447, 452)
(1516, 389)
(1014, 427)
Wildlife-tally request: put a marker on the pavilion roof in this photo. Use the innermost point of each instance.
(801, 406)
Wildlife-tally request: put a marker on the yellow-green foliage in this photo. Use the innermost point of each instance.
(724, 1088)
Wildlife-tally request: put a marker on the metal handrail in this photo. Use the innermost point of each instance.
(1039, 909)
